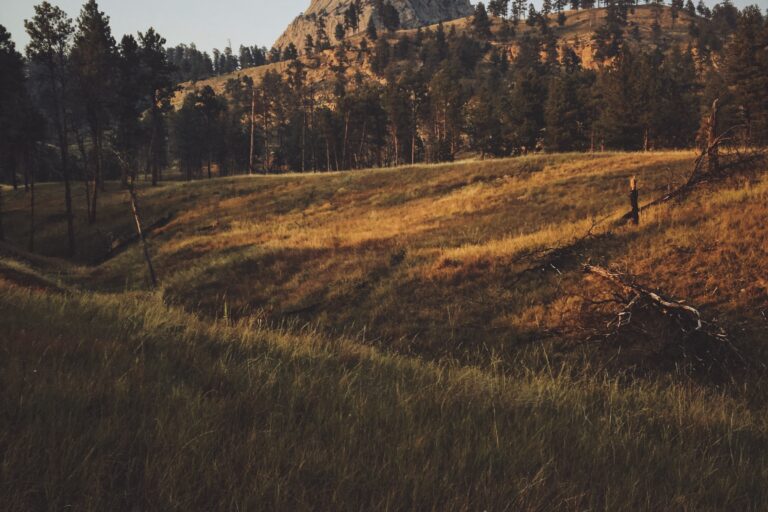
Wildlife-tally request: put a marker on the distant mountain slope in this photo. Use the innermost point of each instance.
(576, 33)
(413, 14)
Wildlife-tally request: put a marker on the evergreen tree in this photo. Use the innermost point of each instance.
(747, 72)
(94, 60)
(50, 32)
(352, 16)
(290, 53)
(690, 9)
(481, 24)
(309, 45)
(339, 32)
(370, 30)
(160, 88)
(390, 17)
(131, 102)
(12, 96)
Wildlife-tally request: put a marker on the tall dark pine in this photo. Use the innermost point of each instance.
(94, 61)
(159, 89)
(11, 91)
(480, 21)
(50, 32)
(747, 71)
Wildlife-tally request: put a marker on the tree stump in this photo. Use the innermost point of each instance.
(634, 198)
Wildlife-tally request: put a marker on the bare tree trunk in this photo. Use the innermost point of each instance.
(139, 230)
(303, 135)
(713, 155)
(253, 128)
(64, 153)
(344, 144)
(14, 178)
(32, 166)
(2, 229)
(86, 174)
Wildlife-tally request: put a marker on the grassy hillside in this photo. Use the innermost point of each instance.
(390, 339)
(436, 260)
(118, 402)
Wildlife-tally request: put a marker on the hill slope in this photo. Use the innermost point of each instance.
(118, 402)
(328, 13)
(114, 398)
(437, 259)
(576, 33)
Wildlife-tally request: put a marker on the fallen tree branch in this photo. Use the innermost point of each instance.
(640, 291)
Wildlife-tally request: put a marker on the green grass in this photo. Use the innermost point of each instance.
(120, 403)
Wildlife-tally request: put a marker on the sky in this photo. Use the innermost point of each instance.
(209, 24)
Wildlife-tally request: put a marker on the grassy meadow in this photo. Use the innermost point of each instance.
(395, 339)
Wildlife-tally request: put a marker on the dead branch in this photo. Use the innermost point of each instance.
(640, 291)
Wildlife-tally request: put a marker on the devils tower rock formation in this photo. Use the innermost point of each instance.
(328, 13)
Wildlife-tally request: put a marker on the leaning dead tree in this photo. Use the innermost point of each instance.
(719, 158)
(134, 200)
(140, 231)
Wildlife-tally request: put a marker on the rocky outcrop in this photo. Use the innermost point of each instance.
(327, 13)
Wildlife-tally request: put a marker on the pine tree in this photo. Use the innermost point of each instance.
(370, 30)
(160, 88)
(339, 32)
(481, 24)
(50, 32)
(747, 72)
(309, 45)
(94, 60)
(290, 53)
(12, 93)
(390, 17)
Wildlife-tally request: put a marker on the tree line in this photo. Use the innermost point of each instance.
(440, 93)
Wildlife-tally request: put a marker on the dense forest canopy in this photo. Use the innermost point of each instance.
(83, 106)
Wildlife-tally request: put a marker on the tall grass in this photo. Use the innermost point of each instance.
(117, 402)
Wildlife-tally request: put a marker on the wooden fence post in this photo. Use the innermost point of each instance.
(634, 198)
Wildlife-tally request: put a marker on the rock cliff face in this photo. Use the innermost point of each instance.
(327, 13)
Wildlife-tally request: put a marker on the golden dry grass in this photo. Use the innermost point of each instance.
(245, 381)
(430, 259)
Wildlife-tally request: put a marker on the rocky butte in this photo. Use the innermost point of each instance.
(328, 13)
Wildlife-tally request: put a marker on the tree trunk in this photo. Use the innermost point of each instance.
(140, 231)
(634, 200)
(32, 215)
(713, 156)
(344, 144)
(152, 163)
(253, 128)
(12, 169)
(2, 229)
(31, 172)
(64, 158)
(86, 176)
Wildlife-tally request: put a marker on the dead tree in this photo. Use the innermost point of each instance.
(712, 149)
(253, 127)
(664, 304)
(634, 197)
(139, 230)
